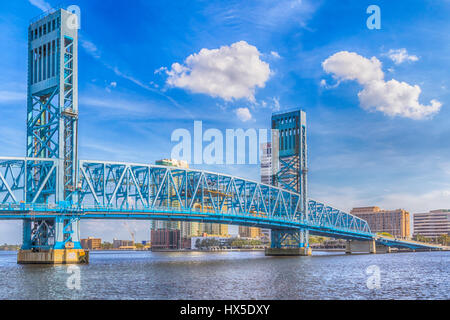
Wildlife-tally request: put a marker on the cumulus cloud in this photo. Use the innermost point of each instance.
(243, 114)
(396, 98)
(401, 55)
(41, 4)
(393, 98)
(346, 65)
(230, 72)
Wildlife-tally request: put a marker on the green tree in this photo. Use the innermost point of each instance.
(444, 239)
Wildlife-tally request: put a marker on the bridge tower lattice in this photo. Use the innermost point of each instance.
(52, 121)
(289, 167)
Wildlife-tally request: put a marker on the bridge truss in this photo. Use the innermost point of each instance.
(115, 190)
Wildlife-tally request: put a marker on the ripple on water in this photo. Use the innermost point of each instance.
(231, 275)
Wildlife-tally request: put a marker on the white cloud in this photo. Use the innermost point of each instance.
(243, 114)
(401, 55)
(230, 72)
(393, 98)
(90, 48)
(396, 98)
(346, 65)
(275, 54)
(41, 4)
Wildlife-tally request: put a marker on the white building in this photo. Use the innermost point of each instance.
(266, 163)
(432, 224)
(222, 240)
(266, 174)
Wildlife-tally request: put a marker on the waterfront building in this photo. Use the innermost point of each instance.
(432, 224)
(395, 222)
(249, 232)
(166, 239)
(223, 241)
(123, 244)
(91, 243)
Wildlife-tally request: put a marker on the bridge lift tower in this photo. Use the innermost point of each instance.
(52, 118)
(289, 168)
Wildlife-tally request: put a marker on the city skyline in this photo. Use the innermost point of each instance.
(358, 155)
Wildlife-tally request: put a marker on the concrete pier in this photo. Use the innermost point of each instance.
(383, 249)
(354, 246)
(53, 256)
(370, 246)
(288, 252)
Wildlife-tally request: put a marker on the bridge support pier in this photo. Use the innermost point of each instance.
(52, 241)
(289, 243)
(355, 246)
(383, 249)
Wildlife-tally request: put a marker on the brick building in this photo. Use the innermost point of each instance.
(91, 243)
(395, 222)
(166, 239)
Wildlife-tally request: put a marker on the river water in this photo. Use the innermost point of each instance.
(231, 275)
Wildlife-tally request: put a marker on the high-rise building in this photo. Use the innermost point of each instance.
(214, 229)
(394, 222)
(249, 232)
(267, 173)
(266, 163)
(432, 224)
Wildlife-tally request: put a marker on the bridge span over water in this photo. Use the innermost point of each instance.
(51, 190)
(116, 190)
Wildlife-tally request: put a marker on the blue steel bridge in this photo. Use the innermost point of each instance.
(114, 190)
(50, 190)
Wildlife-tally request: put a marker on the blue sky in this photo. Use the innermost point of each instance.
(375, 136)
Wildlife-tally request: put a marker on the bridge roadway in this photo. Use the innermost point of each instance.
(117, 190)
